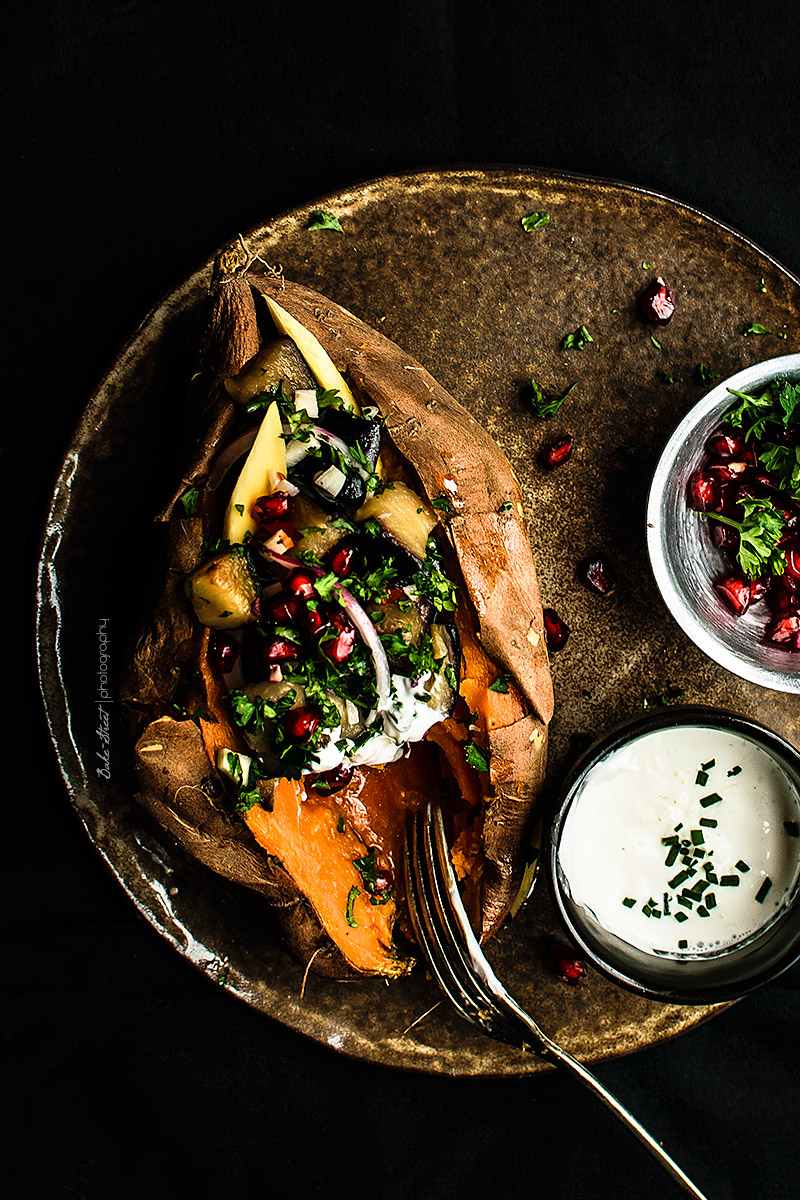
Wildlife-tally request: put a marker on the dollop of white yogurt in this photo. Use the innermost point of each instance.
(684, 842)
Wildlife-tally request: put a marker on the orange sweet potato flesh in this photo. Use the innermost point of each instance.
(281, 848)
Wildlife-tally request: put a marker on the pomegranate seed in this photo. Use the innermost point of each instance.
(300, 583)
(793, 560)
(724, 537)
(736, 592)
(224, 652)
(556, 630)
(725, 445)
(658, 303)
(334, 780)
(316, 619)
(383, 882)
(278, 650)
(300, 723)
(783, 595)
(280, 609)
(565, 964)
(271, 508)
(557, 452)
(784, 630)
(704, 491)
(341, 646)
(341, 558)
(598, 575)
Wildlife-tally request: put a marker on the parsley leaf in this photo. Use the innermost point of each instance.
(535, 220)
(475, 757)
(500, 684)
(755, 328)
(189, 501)
(706, 374)
(541, 406)
(577, 340)
(759, 534)
(321, 219)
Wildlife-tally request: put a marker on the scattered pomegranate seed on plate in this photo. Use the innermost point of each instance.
(557, 452)
(556, 629)
(598, 575)
(565, 964)
(657, 303)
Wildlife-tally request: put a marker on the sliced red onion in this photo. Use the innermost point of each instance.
(306, 399)
(361, 622)
(230, 455)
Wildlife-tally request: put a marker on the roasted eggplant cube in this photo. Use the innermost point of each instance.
(354, 431)
(276, 363)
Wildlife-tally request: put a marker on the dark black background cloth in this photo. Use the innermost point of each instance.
(144, 134)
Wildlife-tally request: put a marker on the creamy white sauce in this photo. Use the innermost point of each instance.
(612, 853)
(407, 720)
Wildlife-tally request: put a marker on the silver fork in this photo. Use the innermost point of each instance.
(464, 974)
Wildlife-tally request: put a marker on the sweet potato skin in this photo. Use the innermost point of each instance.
(178, 783)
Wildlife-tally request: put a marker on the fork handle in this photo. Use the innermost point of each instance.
(548, 1049)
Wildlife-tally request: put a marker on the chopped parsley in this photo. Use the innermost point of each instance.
(578, 340)
(322, 219)
(535, 220)
(475, 757)
(352, 896)
(755, 328)
(501, 683)
(705, 373)
(189, 501)
(541, 406)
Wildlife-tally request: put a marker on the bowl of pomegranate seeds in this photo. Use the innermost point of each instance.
(723, 524)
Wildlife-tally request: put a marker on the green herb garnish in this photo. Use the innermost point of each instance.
(475, 757)
(500, 684)
(712, 798)
(755, 328)
(760, 531)
(321, 219)
(629, 902)
(761, 894)
(535, 220)
(189, 501)
(577, 340)
(542, 407)
(351, 899)
(705, 373)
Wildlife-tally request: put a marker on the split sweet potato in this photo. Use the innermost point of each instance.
(321, 859)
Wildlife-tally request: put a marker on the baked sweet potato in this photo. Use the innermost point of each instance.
(350, 626)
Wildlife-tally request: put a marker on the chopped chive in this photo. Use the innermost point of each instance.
(670, 859)
(656, 913)
(735, 771)
(761, 894)
(646, 910)
(792, 828)
(742, 866)
(708, 822)
(666, 904)
(682, 944)
(702, 778)
(669, 841)
(712, 762)
(680, 916)
(699, 887)
(729, 881)
(629, 902)
(697, 837)
(702, 911)
(711, 877)
(710, 900)
(713, 798)
(684, 900)
(678, 879)
(679, 826)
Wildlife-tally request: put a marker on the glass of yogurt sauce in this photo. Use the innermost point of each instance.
(675, 855)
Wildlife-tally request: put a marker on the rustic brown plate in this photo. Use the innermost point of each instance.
(440, 263)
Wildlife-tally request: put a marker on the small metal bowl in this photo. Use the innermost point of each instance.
(718, 975)
(683, 557)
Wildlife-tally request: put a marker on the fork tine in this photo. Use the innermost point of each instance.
(437, 939)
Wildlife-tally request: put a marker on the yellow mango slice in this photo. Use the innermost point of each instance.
(268, 453)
